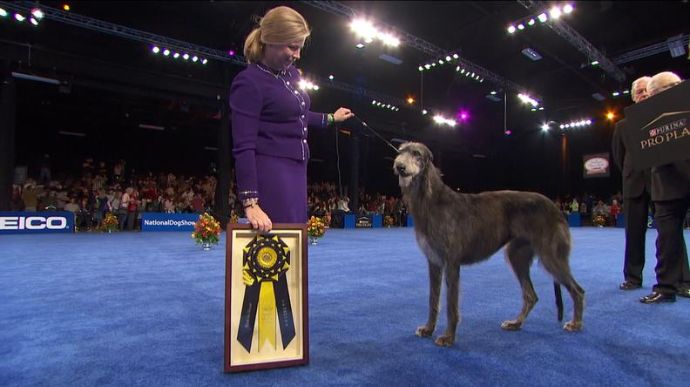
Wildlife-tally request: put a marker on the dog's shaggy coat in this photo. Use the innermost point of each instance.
(454, 229)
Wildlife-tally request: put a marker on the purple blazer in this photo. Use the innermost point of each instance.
(270, 117)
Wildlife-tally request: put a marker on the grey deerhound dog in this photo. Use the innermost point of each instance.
(454, 229)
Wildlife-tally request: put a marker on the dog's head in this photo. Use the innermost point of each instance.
(413, 159)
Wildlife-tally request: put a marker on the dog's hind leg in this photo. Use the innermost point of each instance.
(435, 277)
(520, 254)
(576, 293)
(557, 265)
(452, 293)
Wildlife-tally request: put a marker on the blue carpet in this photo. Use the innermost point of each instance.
(133, 309)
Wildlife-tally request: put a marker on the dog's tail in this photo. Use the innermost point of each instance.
(559, 299)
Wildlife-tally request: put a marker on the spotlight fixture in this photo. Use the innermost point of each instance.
(306, 84)
(410, 100)
(331, 77)
(385, 105)
(366, 30)
(527, 99)
(445, 59)
(155, 49)
(360, 45)
(554, 14)
(175, 55)
(66, 7)
(19, 17)
(576, 124)
(441, 120)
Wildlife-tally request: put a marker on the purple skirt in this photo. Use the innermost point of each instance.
(282, 188)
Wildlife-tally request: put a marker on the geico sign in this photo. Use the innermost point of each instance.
(32, 223)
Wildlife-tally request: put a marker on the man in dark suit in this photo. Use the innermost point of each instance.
(671, 196)
(636, 197)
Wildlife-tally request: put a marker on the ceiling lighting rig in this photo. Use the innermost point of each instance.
(446, 59)
(576, 124)
(367, 32)
(35, 16)
(619, 93)
(175, 54)
(553, 14)
(385, 105)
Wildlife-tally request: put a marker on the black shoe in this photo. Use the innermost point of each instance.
(683, 291)
(658, 297)
(628, 285)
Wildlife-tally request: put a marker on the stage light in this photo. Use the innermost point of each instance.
(507, 132)
(33, 21)
(166, 52)
(427, 66)
(527, 99)
(359, 45)
(440, 61)
(626, 91)
(185, 56)
(231, 52)
(421, 68)
(615, 94)
(373, 102)
(530, 22)
(545, 127)
(331, 77)
(410, 100)
(456, 56)
(204, 61)
(195, 58)
(520, 27)
(66, 7)
(542, 17)
(19, 17)
(3, 13)
(368, 40)
(424, 112)
(594, 62)
(176, 55)
(464, 116)
(555, 12)
(610, 116)
(37, 13)
(589, 122)
(462, 71)
(567, 9)
(156, 49)
(448, 58)
(511, 29)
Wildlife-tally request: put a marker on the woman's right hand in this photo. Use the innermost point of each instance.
(258, 218)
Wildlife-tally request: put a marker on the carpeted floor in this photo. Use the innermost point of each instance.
(132, 309)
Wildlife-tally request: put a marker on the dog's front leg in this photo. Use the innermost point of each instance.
(434, 295)
(452, 293)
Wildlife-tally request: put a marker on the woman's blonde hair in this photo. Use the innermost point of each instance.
(279, 25)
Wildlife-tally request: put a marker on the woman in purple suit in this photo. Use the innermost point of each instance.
(270, 120)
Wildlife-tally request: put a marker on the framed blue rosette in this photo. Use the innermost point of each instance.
(266, 309)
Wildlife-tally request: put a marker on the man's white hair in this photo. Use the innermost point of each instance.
(633, 93)
(661, 82)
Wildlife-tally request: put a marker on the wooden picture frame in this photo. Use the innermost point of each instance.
(265, 277)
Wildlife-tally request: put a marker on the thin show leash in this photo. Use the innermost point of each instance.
(377, 134)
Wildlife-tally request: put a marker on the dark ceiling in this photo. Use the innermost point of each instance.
(117, 83)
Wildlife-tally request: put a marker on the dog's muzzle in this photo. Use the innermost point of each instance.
(401, 170)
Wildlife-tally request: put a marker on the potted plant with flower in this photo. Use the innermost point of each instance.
(110, 222)
(315, 229)
(206, 231)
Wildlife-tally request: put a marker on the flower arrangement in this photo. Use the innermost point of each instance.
(599, 221)
(110, 222)
(206, 230)
(315, 228)
(388, 221)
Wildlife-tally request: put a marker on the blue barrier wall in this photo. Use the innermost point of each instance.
(159, 221)
(36, 222)
(575, 220)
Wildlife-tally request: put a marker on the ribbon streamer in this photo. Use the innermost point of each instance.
(266, 259)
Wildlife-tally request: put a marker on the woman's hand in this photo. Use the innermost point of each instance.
(258, 218)
(342, 114)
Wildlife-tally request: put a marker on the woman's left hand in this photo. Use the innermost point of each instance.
(342, 114)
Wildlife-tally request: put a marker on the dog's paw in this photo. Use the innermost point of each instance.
(424, 331)
(572, 326)
(445, 341)
(511, 325)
